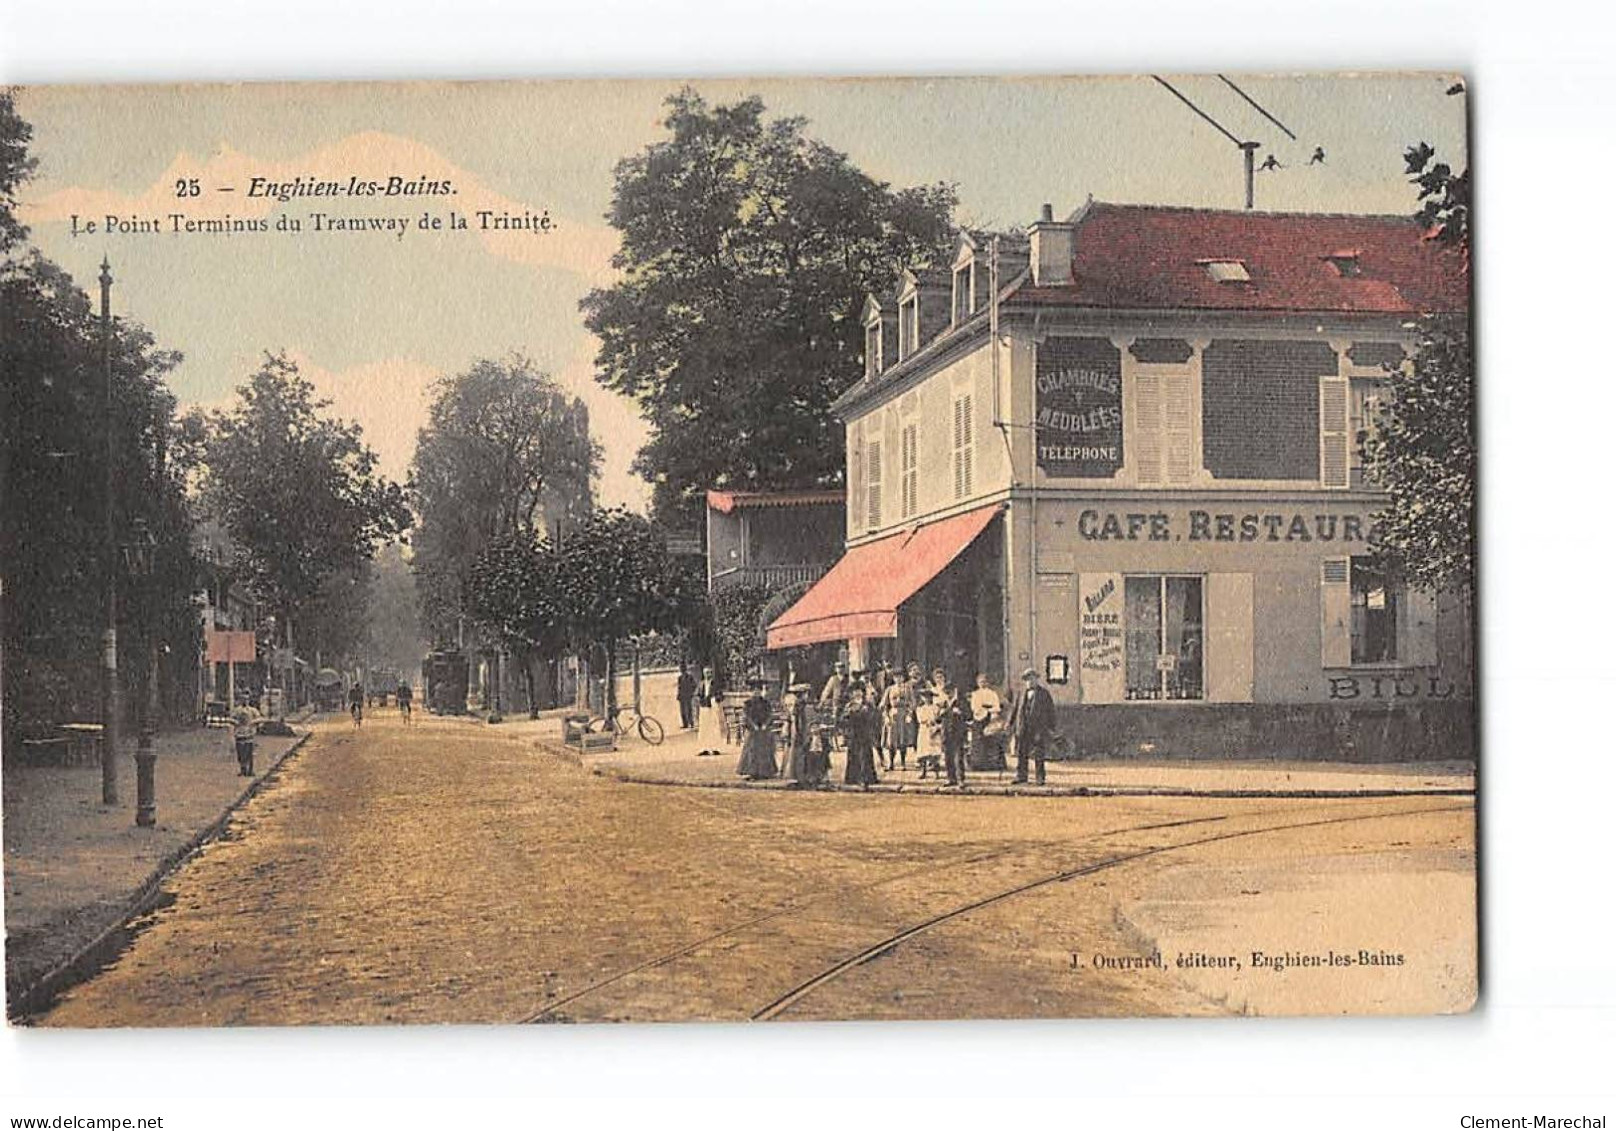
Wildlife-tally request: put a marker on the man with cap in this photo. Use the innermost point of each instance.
(1031, 722)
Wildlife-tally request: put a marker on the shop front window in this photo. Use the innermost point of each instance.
(1376, 608)
(1165, 634)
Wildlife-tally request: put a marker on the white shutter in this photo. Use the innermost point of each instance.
(1230, 643)
(1147, 427)
(1416, 629)
(855, 477)
(1178, 433)
(1335, 609)
(1334, 440)
(872, 488)
(965, 442)
(910, 479)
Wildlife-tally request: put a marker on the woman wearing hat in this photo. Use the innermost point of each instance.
(757, 748)
(898, 724)
(709, 714)
(801, 764)
(861, 725)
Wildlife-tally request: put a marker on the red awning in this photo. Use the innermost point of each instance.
(860, 595)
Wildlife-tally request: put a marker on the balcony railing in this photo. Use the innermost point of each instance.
(778, 576)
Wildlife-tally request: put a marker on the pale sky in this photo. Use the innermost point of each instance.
(373, 318)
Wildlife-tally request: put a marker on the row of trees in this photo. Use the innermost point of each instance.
(296, 492)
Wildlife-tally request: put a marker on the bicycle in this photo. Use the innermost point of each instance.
(622, 720)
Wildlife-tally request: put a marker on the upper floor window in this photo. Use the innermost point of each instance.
(964, 447)
(1366, 404)
(964, 293)
(872, 484)
(908, 328)
(872, 349)
(910, 479)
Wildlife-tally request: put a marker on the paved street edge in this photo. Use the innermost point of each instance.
(24, 1001)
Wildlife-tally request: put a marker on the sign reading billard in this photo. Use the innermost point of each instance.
(1079, 410)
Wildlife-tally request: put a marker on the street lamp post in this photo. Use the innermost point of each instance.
(140, 555)
(110, 722)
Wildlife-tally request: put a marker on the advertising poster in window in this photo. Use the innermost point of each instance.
(1079, 408)
(1099, 638)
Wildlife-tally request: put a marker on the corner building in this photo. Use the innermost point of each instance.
(1140, 472)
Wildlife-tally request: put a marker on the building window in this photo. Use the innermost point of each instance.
(872, 484)
(964, 293)
(964, 447)
(872, 349)
(910, 485)
(1377, 607)
(1366, 404)
(1226, 270)
(908, 328)
(1164, 637)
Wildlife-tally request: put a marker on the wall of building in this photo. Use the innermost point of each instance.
(1267, 685)
(929, 406)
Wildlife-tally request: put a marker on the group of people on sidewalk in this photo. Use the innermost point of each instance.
(876, 720)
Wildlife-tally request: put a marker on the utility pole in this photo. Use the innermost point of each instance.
(109, 551)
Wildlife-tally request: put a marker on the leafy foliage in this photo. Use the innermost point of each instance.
(737, 622)
(297, 491)
(506, 454)
(16, 166)
(1423, 450)
(614, 578)
(747, 248)
(53, 454)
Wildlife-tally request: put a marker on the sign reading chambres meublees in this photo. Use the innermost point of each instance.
(1079, 411)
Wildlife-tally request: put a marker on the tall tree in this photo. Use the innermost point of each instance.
(297, 491)
(747, 248)
(16, 166)
(52, 468)
(1423, 450)
(505, 453)
(612, 577)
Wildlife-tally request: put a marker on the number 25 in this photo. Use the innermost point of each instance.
(188, 186)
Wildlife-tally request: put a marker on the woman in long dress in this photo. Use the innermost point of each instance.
(800, 755)
(710, 715)
(861, 726)
(897, 711)
(757, 748)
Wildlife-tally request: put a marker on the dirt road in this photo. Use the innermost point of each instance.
(446, 872)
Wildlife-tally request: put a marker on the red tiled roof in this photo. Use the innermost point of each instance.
(1145, 257)
(726, 501)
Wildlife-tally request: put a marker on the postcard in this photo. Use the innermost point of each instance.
(722, 550)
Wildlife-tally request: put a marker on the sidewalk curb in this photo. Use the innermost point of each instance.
(996, 789)
(25, 1002)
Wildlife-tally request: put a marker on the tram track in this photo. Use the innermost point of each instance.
(885, 946)
(551, 1010)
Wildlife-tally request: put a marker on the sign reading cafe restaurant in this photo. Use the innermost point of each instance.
(1079, 408)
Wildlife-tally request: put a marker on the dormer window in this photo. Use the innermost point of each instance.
(872, 348)
(1226, 270)
(964, 292)
(1345, 262)
(908, 327)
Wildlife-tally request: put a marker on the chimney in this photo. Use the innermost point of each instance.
(1053, 244)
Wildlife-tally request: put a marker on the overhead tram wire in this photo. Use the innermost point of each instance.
(1255, 105)
(1248, 149)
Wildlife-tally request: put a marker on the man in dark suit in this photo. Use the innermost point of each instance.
(686, 691)
(1030, 725)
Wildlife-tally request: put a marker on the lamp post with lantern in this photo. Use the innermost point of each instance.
(140, 557)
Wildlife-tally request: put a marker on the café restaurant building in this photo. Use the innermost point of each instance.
(1140, 472)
